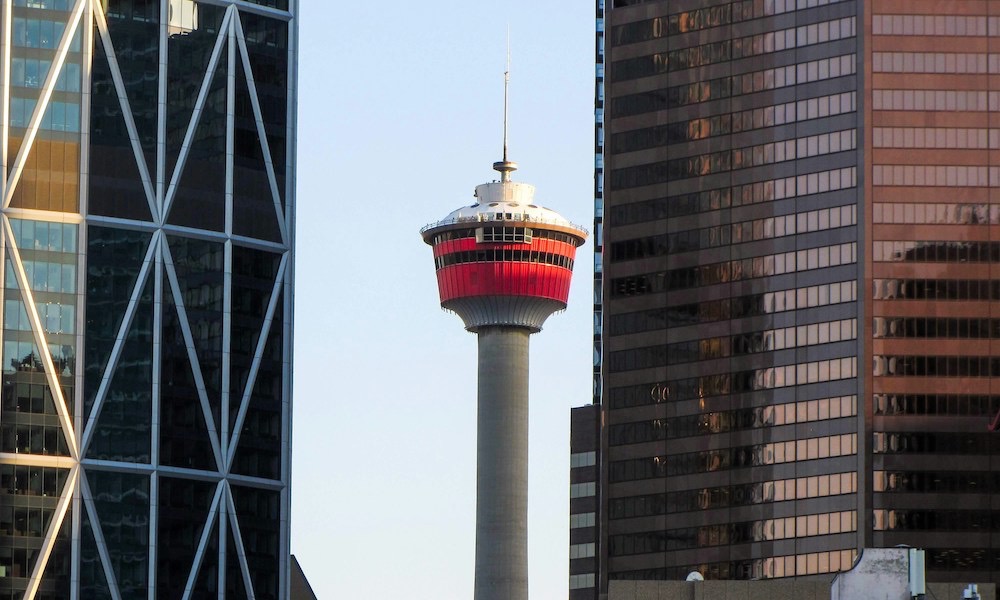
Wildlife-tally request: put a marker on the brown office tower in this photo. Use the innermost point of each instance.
(795, 291)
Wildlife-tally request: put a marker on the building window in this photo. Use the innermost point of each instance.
(580, 520)
(582, 459)
(583, 490)
(582, 550)
(585, 580)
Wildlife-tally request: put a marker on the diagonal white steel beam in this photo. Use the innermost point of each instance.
(50, 537)
(258, 354)
(206, 535)
(42, 344)
(223, 545)
(98, 530)
(261, 132)
(241, 552)
(199, 379)
(5, 32)
(227, 285)
(43, 101)
(126, 106)
(122, 335)
(161, 130)
(199, 106)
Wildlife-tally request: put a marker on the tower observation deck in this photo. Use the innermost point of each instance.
(503, 265)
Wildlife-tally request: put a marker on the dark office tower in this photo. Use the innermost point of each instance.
(730, 274)
(146, 238)
(800, 286)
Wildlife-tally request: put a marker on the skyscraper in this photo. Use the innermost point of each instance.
(793, 317)
(147, 233)
(503, 265)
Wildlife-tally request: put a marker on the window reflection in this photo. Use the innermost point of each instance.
(729, 421)
(733, 308)
(710, 461)
(732, 383)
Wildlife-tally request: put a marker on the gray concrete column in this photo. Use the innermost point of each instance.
(502, 466)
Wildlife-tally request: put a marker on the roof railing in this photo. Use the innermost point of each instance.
(503, 217)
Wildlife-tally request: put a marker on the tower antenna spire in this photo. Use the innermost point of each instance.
(506, 95)
(505, 167)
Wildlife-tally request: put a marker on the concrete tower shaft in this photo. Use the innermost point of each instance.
(503, 265)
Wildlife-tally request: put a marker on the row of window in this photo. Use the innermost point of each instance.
(581, 520)
(45, 276)
(503, 234)
(59, 116)
(919, 213)
(956, 25)
(913, 442)
(658, 430)
(739, 195)
(582, 459)
(733, 308)
(31, 73)
(725, 124)
(44, 440)
(32, 481)
(935, 366)
(735, 159)
(702, 18)
(936, 289)
(763, 492)
(954, 405)
(32, 398)
(930, 327)
(935, 520)
(582, 490)
(521, 235)
(936, 137)
(745, 532)
(22, 521)
(722, 384)
(936, 482)
(935, 62)
(740, 344)
(733, 49)
(40, 33)
(936, 100)
(582, 550)
(738, 457)
(736, 233)
(735, 85)
(935, 251)
(63, 5)
(55, 318)
(736, 270)
(44, 235)
(24, 356)
(582, 581)
(813, 563)
(503, 255)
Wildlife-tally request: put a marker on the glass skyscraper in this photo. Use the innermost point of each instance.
(147, 230)
(795, 303)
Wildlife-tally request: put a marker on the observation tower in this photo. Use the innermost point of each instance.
(503, 265)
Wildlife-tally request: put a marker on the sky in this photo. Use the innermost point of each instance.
(400, 117)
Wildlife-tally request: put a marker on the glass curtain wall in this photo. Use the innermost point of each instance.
(146, 235)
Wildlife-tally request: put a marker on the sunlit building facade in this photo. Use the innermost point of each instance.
(794, 303)
(147, 233)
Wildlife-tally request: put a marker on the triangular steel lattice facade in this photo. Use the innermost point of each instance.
(146, 229)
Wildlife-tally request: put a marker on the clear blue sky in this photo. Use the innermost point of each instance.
(400, 118)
